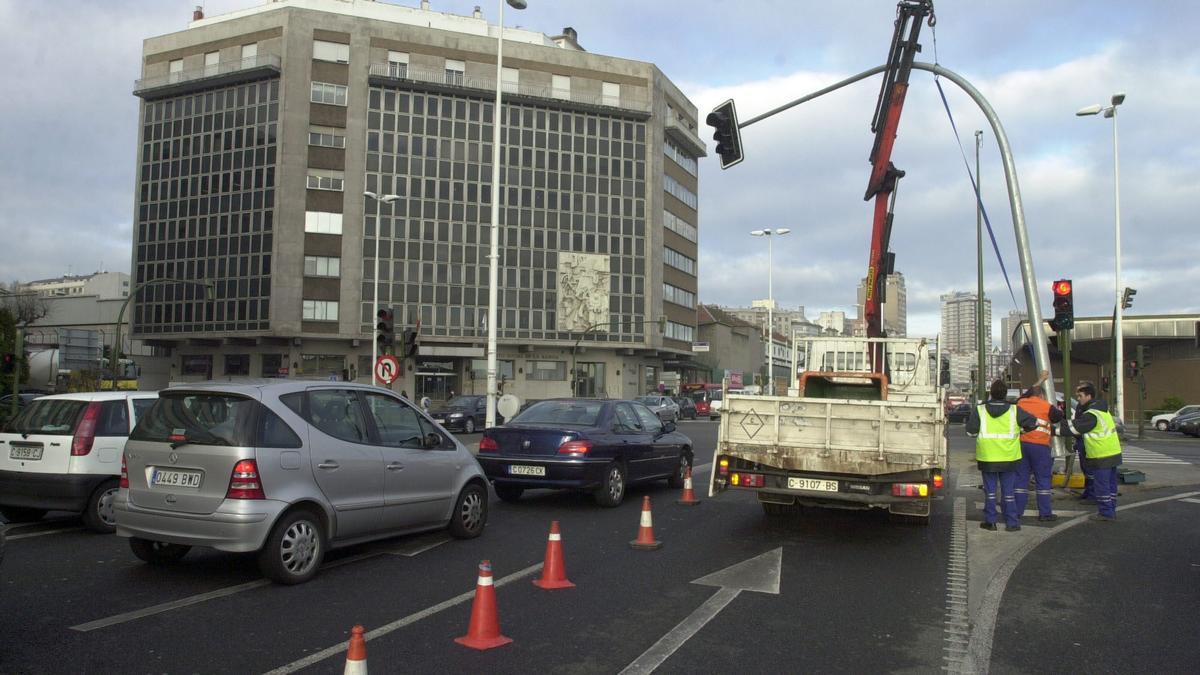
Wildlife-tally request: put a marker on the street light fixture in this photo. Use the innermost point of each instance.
(1110, 111)
(386, 199)
(210, 290)
(494, 253)
(770, 235)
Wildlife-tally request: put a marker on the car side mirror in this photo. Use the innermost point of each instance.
(668, 427)
(432, 440)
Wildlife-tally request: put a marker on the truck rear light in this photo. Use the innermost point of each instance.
(723, 467)
(575, 448)
(748, 480)
(939, 481)
(85, 433)
(244, 483)
(124, 482)
(488, 444)
(910, 489)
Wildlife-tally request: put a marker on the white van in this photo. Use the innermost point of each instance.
(63, 453)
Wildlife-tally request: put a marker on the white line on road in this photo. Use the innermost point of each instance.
(667, 645)
(400, 623)
(30, 535)
(1190, 500)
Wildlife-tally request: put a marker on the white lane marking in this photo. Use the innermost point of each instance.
(417, 545)
(30, 535)
(44, 521)
(202, 597)
(985, 619)
(760, 574)
(1144, 456)
(1191, 501)
(400, 623)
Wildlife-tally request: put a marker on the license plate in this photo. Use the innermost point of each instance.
(18, 452)
(816, 484)
(521, 470)
(173, 478)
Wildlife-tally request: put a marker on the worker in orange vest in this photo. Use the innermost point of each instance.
(1035, 451)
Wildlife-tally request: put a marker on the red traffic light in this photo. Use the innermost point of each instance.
(1062, 287)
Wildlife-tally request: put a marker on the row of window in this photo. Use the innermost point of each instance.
(331, 94)
(327, 137)
(320, 266)
(320, 179)
(679, 296)
(319, 310)
(679, 331)
(679, 226)
(211, 62)
(677, 190)
(682, 158)
(679, 261)
(454, 72)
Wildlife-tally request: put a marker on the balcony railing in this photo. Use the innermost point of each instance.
(685, 136)
(225, 71)
(404, 72)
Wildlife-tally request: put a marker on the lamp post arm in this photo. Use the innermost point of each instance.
(114, 358)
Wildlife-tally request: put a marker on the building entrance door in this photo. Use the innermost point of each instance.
(437, 386)
(589, 382)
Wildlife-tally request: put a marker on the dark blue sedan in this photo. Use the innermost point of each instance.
(583, 444)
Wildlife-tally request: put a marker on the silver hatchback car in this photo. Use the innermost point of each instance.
(290, 469)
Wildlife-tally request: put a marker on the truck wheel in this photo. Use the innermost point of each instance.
(612, 489)
(98, 515)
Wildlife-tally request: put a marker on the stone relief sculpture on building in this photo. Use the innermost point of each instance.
(583, 288)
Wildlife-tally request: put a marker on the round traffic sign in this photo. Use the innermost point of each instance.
(387, 369)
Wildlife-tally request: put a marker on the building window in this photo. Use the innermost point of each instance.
(678, 331)
(331, 51)
(325, 180)
(175, 70)
(680, 157)
(397, 64)
(322, 222)
(679, 261)
(320, 266)
(327, 137)
(211, 63)
(679, 296)
(679, 226)
(322, 364)
(678, 191)
(197, 364)
(320, 310)
(560, 87)
(510, 79)
(545, 371)
(455, 71)
(504, 369)
(237, 364)
(331, 94)
(610, 93)
(250, 51)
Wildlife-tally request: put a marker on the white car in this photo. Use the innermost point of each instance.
(63, 453)
(1163, 422)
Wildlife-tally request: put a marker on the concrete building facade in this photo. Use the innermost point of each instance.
(103, 285)
(895, 304)
(261, 130)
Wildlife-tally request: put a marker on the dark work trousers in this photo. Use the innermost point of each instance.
(1036, 460)
(1105, 487)
(1005, 480)
(1089, 491)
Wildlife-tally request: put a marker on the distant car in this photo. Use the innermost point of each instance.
(1163, 422)
(288, 470)
(1178, 423)
(664, 406)
(463, 413)
(687, 407)
(959, 413)
(600, 445)
(63, 453)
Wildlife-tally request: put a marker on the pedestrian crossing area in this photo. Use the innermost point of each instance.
(1134, 455)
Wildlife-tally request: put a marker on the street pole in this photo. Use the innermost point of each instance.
(981, 381)
(19, 352)
(386, 199)
(1119, 335)
(770, 314)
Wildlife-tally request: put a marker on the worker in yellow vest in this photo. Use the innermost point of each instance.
(1101, 446)
(997, 426)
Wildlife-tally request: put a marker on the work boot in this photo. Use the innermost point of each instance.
(1048, 518)
(988, 526)
(1012, 528)
(1102, 518)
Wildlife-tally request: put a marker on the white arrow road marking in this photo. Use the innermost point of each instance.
(42, 533)
(759, 574)
(1191, 501)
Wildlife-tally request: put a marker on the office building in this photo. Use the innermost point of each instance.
(958, 323)
(895, 304)
(261, 129)
(1008, 326)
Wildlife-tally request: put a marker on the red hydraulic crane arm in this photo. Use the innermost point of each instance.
(884, 175)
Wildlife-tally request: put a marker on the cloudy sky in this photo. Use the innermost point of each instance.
(68, 129)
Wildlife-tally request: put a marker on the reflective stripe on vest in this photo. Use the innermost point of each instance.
(1103, 440)
(999, 440)
(1039, 408)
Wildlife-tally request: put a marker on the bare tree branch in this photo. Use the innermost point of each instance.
(24, 306)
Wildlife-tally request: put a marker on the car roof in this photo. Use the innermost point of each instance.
(99, 395)
(275, 387)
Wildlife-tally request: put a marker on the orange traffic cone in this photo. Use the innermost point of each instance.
(645, 540)
(554, 571)
(484, 630)
(689, 496)
(356, 654)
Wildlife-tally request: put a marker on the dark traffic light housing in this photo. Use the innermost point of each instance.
(1143, 356)
(1064, 305)
(1127, 298)
(10, 363)
(410, 343)
(723, 119)
(387, 329)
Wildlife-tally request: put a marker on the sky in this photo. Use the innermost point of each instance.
(68, 135)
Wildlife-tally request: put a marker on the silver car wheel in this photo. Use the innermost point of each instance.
(616, 484)
(471, 511)
(299, 547)
(104, 507)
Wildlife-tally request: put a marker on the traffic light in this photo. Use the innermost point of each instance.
(410, 342)
(10, 363)
(1143, 356)
(1064, 305)
(387, 330)
(723, 119)
(1127, 298)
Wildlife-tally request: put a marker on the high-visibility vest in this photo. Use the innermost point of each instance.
(1039, 408)
(999, 438)
(1101, 441)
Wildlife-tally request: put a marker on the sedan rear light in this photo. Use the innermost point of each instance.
(575, 448)
(124, 473)
(748, 480)
(488, 444)
(85, 433)
(245, 483)
(910, 489)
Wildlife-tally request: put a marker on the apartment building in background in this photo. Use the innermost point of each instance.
(895, 305)
(261, 129)
(958, 336)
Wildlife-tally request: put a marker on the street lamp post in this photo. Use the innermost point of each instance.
(494, 253)
(981, 381)
(115, 360)
(386, 199)
(1118, 334)
(770, 235)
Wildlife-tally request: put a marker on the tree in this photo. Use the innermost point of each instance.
(24, 307)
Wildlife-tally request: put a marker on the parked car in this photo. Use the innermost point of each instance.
(583, 444)
(1179, 423)
(958, 413)
(289, 469)
(463, 413)
(1163, 422)
(63, 453)
(687, 407)
(1189, 425)
(664, 406)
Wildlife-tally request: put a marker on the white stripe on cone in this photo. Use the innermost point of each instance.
(355, 667)
(556, 537)
(484, 581)
(646, 519)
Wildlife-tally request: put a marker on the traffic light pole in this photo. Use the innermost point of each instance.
(19, 351)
